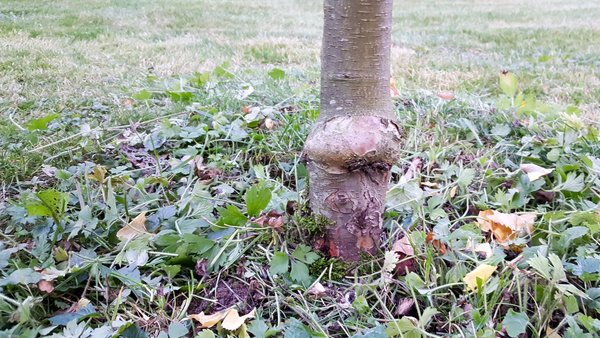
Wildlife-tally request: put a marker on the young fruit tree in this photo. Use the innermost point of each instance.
(356, 138)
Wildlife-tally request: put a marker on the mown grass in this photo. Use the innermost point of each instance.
(143, 117)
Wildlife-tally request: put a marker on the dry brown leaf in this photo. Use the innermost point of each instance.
(431, 184)
(506, 226)
(46, 286)
(453, 191)
(134, 229)
(534, 171)
(441, 247)
(403, 245)
(445, 95)
(483, 272)
(317, 290)
(233, 320)
(269, 124)
(207, 321)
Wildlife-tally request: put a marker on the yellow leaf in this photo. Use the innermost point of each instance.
(505, 226)
(483, 272)
(210, 320)
(134, 229)
(233, 321)
(534, 171)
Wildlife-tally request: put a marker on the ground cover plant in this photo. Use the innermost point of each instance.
(176, 205)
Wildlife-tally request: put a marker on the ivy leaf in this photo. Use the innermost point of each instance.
(515, 323)
(257, 198)
(279, 263)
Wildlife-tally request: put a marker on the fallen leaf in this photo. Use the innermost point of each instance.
(273, 219)
(403, 246)
(445, 95)
(404, 306)
(268, 123)
(483, 272)
(434, 185)
(134, 229)
(317, 290)
(441, 247)
(233, 320)
(505, 226)
(453, 191)
(415, 167)
(406, 262)
(46, 286)
(207, 321)
(534, 171)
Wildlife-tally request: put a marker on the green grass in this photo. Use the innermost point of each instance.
(166, 109)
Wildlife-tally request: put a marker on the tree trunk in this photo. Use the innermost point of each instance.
(355, 140)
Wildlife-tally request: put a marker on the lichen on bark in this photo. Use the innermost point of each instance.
(355, 141)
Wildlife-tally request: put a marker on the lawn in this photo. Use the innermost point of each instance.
(151, 173)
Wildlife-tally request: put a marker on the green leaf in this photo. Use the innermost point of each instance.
(574, 183)
(376, 332)
(558, 271)
(426, 316)
(21, 276)
(51, 203)
(466, 177)
(303, 253)
(541, 264)
(257, 198)
(279, 263)
(299, 272)
(41, 123)
(553, 155)
(403, 328)
(205, 334)
(132, 331)
(142, 95)
(295, 329)
(260, 329)
(508, 83)
(515, 323)
(361, 305)
(197, 244)
(277, 74)
(231, 215)
(177, 330)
